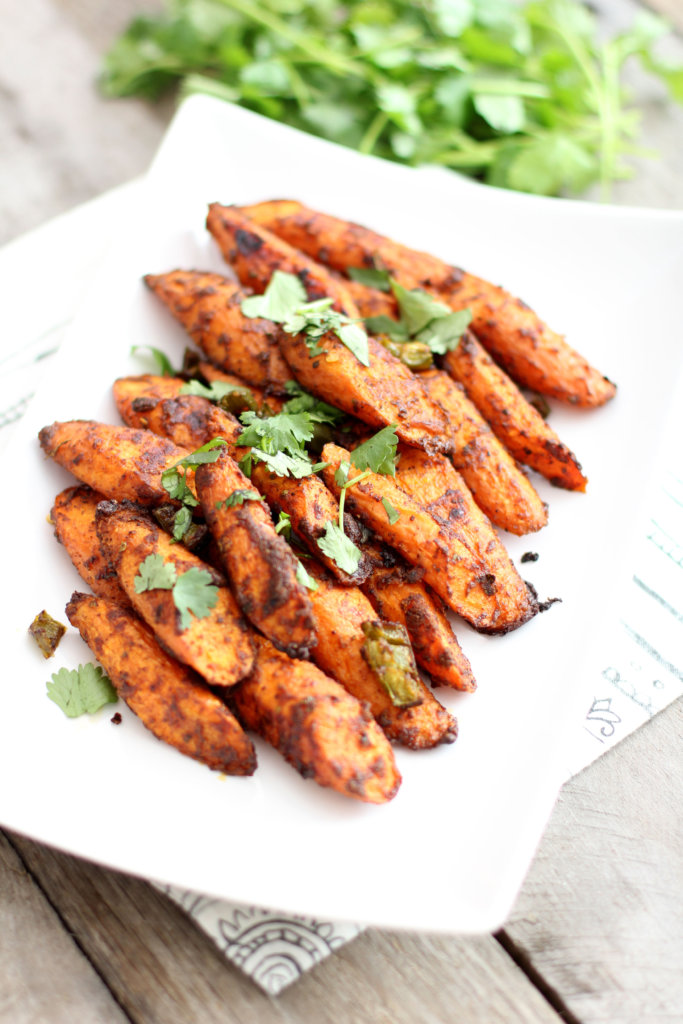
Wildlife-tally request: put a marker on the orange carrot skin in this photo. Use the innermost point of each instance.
(168, 698)
(218, 645)
(498, 486)
(73, 514)
(398, 597)
(534, 355)
(515, 422)
(208, 307)
(260, 564)
(119, 462)
(339, 614)
(319, 728)
(452, 562)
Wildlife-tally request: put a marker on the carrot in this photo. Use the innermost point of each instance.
(498, 486)
(260, 565)
(433, 481)
(379, 394)
(208, 306)
(513, 420)
(319, 728)
(119, 462)
(340, 651)
(167, 698)
(396, 595)
(73, 515)
(216, 644)
(534, 355)
(452, 563)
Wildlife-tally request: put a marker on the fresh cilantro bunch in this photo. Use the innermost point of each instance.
(521, 95)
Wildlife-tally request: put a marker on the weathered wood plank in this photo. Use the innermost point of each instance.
(43, 975)
(162, 968)
(600, 917)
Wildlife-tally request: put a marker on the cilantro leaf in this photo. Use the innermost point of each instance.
(392, 515)
(282, 464)
(383, 324)
(194, 592)
(282, 432)
(81, 691)
(304, 577)
(163, 363)
(371, 277)
(337, 546)
(154, 574)
(317, 410)
(443, 333)
(239, 497)
(175, 485)
(284, 293)
(417, 307)
(218, 390)
(378, 453)
(207, 453)
(284, 524)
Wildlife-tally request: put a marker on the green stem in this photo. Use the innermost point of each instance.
(342, 496)
(373, 132)
(320, 53)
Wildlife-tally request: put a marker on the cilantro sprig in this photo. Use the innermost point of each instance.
(524, 95)
(376, 455)
(422, 318)
(194, 593)
(285, 302)
(175, 484)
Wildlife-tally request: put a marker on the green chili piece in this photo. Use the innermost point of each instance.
(388, 652)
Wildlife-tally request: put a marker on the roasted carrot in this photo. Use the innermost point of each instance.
(341, 651)
(534, 355)
(215, 643)
(379, 394)
(498, 486)
(73, 515)
(452, 563)
(260, 564)
(169, 699)
(208, 307)
(433, 481)
(396, 595)
(319, 728)
(119, 462)
(513, 420)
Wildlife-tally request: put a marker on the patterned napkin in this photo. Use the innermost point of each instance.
(636, 670)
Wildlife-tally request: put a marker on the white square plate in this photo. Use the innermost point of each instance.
(450, 852)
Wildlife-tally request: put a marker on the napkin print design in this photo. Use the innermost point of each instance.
(273, 949)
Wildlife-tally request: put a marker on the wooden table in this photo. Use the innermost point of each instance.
(597, 932)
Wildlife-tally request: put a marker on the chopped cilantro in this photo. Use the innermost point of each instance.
(304, 577)
(284, 293)
(337, 546)
(194, 592)
(284, 301)
(231, 397)
(392, 514)
(239, 497)
(422, 319)
(378, 453)
(182, 521)
(284, 524)
(81, 691)
(371, 277)
(175, 484)
(315, 408)
(154, 574)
